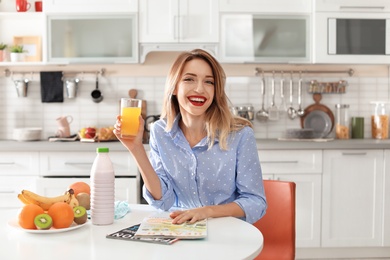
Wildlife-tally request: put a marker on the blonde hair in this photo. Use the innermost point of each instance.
(220, 122)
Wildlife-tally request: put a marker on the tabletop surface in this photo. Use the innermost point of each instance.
(228, 238)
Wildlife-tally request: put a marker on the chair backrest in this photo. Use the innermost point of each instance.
(278, 223)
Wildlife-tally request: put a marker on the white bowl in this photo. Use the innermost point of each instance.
(27, 134)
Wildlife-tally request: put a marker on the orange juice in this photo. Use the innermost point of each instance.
(130, 122)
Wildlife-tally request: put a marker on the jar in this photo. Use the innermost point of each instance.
(342, 121)
(380, 120)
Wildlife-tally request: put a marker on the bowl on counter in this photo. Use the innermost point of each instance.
(27, 134)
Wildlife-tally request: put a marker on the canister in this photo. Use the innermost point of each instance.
(380, 120)
(342, 121)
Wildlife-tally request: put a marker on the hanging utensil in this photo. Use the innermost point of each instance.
(262, 114)
(282, 106)
(300, 110)
(96, 94)
(291, 112)
(273, 111)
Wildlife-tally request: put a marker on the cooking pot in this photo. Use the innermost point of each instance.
(96, 94)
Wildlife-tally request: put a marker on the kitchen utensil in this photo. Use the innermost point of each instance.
(262, 114)
(273, 111)
(300, 111)
(291, 112)
(282, 106)
(22, 5)
(322, 122)
(21, 87)
(64, 126)
(27, 134)
(96, 95)
(71, 87)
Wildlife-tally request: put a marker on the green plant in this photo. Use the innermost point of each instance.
(17, 48)
(2, 46)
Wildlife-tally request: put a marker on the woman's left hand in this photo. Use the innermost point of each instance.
(191, 215)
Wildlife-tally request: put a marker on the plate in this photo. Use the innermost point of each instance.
(320, 122)
(14, 223)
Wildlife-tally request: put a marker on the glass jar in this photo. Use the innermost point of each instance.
(342, 121)
(380, 120)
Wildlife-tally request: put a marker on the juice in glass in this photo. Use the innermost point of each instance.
(130, 112)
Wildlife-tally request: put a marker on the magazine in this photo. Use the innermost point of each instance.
(162, 227)
(128, 234)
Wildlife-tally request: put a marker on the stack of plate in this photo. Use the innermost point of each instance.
(299, 133)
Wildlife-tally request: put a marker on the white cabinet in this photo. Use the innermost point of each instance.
(18, 170)
(172, 21)
(74, 38)
(386, 228)
(304, 168)
(266, 6)
(80, 163)
(99, 6)
(353, 198)
(126, 189)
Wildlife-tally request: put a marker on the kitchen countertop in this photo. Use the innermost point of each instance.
(263, 144)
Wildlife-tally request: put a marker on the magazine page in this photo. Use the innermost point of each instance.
(161, 226)
(129, 234)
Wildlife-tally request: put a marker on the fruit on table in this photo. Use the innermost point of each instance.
(29, 197)
(90, 132)
(106, 134)
(43, 221)
(62, 215)
(27, 215)
(80, 215)
(79, 187)
(84, 200)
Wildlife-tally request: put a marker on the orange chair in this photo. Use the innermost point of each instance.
(278, 223)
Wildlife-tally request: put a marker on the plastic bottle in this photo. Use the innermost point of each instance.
(102, 189)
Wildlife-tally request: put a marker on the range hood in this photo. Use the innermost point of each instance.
(146, 48)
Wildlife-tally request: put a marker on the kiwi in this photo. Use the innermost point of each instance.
(84, 200)
(43, 221)
(80, 215)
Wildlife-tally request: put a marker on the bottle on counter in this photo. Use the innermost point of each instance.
(380, 121)
(102, 189)
(342, 121)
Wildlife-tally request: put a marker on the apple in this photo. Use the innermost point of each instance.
(90, 132)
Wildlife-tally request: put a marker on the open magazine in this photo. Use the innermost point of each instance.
(162, 227)
(129, 234)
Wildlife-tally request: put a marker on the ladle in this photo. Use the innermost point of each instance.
(300, 110)
(262, 114)
(291, 112)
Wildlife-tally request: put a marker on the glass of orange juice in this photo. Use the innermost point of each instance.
(130, 112)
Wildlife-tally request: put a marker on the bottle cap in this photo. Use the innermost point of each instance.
(102, 150)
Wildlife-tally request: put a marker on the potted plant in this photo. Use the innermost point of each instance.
(17, 53)
(2, 51)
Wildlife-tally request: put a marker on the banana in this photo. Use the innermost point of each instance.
(45, 202)
(22, 199)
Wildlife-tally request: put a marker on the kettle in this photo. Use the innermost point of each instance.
(149, 120)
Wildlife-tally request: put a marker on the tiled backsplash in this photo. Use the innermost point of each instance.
(29, 111)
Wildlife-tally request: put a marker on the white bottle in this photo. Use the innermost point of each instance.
(102, 189)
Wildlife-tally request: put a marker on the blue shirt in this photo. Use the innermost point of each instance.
(195, 177)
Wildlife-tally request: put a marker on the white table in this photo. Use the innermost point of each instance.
(228, 238)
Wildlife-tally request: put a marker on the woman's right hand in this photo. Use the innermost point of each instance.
(129, 142)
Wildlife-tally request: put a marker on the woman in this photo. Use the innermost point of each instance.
(203, 160)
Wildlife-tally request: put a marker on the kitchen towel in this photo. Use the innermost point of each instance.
(52, 87)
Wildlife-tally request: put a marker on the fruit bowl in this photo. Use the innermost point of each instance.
(14, 224)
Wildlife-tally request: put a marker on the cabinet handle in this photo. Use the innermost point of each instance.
(176, 27)
(278, 161)
(7, 192)
(7, 163)
(77, 163)
(362, 7)
(361, 153)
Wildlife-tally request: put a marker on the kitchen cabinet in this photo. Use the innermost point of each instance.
(99, 6)
(74, 38)
(266, 6)
(126, 189)
(386, 228)
(352, 5)
(18, 170)
(305, 169)
(173, 21)
(353, 198)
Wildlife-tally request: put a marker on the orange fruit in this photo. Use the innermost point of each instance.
(62, 214)
(27, 215)
(79, 187)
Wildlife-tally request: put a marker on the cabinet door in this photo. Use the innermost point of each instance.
(173, 21)
(266, 6)
(352, 212)
(126, 189)
(19, 163)
(11, 186)
(386, 229)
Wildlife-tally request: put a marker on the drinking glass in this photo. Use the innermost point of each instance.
(130, 112)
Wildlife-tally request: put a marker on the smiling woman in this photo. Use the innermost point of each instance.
(203, 159)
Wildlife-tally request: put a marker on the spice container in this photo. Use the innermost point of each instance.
(342, 121)
(380, 120)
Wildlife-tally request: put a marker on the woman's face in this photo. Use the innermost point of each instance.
(195, 89)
